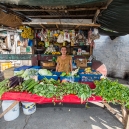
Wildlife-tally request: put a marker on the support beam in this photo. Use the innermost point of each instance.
(77, 26)
(55, 10)
(42, 26)
(62, 23)
(60, 16)
(96, 15)
(108, 3)
(57, 26)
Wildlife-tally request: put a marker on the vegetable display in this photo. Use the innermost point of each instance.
(52, 88)
(112, 91)
(3, 86)
(45, 72)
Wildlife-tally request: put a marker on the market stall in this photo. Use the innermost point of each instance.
(53, 91)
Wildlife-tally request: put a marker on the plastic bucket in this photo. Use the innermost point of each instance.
(28, 108)
(13, 113)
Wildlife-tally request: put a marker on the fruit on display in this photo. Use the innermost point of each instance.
(27, 32)
(88, 70)
(50, 49)
(56, 53)
(73, 73)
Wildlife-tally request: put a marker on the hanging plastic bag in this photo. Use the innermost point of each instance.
(30, 42)
(95, 32)
(60, 38)
(66, 37)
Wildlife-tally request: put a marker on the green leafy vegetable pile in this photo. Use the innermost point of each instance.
(112, 91)
(3, 86)
(52, 88)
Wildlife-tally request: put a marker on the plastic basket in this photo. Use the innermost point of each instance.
(89, 64)
(70, 79)
(36, 67)
(48, 77)
(22, 68)
(56, 73)
(90, 77)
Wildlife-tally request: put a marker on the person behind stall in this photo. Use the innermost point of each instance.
(64, 62)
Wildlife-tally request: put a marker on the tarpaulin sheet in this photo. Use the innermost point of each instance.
(42, 100)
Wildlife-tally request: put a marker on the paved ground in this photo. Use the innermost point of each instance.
(66, 117)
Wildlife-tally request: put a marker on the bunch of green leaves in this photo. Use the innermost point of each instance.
(46, 90)
(112, 91)
(81, 90)
(3, 86)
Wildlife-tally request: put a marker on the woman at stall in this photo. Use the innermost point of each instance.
(64, 62)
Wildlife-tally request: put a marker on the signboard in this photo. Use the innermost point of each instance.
(16, 56)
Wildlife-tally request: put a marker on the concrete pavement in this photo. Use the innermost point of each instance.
(65, 117)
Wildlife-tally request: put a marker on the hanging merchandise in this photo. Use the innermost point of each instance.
(60, 38)
(92, 44)
(51, 33)
(25, 43)
(55, 34)
(41, 35)
(27, 32)
(46, 44)
(93, 34)
(30, 42)
(95, 31)
(80, 38)
(28, 49)
(66, 37)
(89, 36)
(50, 49)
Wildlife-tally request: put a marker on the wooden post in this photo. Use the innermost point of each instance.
(127, 120)
(116, 114)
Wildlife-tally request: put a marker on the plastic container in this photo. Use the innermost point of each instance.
(5, 66)
(89, 64)
(56, 73)
(90, 77)
(28, 108)
(21, 68)
(70, 79)
(48, 77)
(36, 67)
(13, 113)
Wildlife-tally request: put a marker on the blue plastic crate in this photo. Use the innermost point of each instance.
(48, 77)
(89, 64)
(56, 73)
(90, 77)
(75, 79)
(36, 67)
(81, 70)
(24, 67)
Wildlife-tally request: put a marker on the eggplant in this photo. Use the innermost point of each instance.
(14, 82)
(13, 78)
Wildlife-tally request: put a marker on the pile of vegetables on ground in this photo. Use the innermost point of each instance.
(110, 91)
